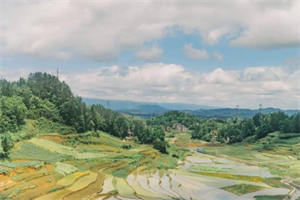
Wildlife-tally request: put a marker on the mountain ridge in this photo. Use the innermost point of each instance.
(149, 109)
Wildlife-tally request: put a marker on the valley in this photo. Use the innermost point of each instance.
(47, 167)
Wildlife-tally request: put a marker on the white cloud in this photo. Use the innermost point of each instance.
(149, 53)
(101, 29)
(217, 55)
(195, 53)
(159, 82)
(275, 25)
(198, 54)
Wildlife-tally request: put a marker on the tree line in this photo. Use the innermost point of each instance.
(44, 96)
(231, 130)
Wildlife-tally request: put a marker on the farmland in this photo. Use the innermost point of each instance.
(50, 166)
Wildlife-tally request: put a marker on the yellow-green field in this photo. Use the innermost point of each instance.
(50, 167)
(62, 171)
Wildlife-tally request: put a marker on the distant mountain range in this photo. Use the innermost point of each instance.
(128, 105)
(234, 112)
(143, 109)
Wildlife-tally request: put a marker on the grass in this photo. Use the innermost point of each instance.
(54, 189)
(208, 168)
(65, 150)
(176, 151)
(74, 173)
(28, 151)
(123, 188)
(60, 193)
(275, 182)
(4, 171)
(241, 189)
(282, 160)
(34, 164)
(106, 139)
(269, 197)
(232, 176)
(83, 182)
(71, 178)
(64, 169)
(53, 147)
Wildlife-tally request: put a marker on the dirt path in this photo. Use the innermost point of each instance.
(295, 192)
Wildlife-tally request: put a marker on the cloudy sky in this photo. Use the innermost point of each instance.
(209, 52)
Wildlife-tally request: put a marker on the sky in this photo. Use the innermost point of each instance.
(209, 52)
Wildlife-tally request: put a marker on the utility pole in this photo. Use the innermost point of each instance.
(238, 111)
(57, 73)
(260, 107)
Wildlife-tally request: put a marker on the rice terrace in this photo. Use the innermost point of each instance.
(150, 100)
(47, 165)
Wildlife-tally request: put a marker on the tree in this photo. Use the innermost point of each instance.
(160, 145)
(286, 126)
(72, 114)
(275, 120)
(295, 123)
(257, 119)
(121, 127)
(5, 145)
(262, 131)
(13, 111)
(247, 128)
(43, 108)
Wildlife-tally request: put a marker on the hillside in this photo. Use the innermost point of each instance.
(96, 165)
(92, 164)
(54, 146)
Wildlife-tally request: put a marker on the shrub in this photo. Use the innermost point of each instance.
(160, 145)
(126, 146)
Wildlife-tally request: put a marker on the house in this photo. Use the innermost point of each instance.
(179, 127)
(130, 135)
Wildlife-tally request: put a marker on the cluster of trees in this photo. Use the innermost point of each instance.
(257, 127)
(171, 117)
(231, 130)
(43, 96)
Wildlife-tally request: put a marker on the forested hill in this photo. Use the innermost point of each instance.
(42, 97)
(234, 130)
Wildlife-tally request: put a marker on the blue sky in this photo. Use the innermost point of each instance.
(234, 58)
(219, 53)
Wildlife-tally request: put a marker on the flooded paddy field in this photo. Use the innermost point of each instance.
(104, 170)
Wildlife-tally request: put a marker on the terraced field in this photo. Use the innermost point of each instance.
(49, 168)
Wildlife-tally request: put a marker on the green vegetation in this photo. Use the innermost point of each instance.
(241, 189)
(233, 130)
(43, 98)
(53, 146)
(207, 168)
(35, 164)
(266, 197)
(64, 169)
(232, 176)
(28, 150)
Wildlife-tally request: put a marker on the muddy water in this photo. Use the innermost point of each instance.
(185, 183)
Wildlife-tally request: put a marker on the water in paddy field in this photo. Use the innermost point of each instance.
(185, 183)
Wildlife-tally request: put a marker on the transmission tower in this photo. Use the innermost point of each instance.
(260, 107)
(57, 73)
(237, 111)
